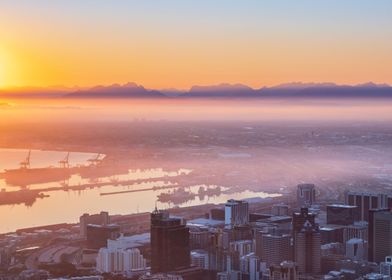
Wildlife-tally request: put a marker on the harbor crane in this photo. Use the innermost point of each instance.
(96, 160)
(26, 163)
(64, 163)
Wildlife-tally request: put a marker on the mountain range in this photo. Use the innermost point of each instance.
(133, 90)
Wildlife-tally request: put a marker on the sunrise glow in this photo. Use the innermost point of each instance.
(160, 46)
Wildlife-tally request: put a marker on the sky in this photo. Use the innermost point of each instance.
(180, 43)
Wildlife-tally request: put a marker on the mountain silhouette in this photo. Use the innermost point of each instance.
(129, 90)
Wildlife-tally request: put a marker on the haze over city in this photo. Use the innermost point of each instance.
(188, 140)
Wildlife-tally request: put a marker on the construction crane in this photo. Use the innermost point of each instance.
(26, 163)
(96, 160)
(65, 162)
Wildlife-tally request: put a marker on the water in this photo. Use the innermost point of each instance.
(66, 206)
(10, 158)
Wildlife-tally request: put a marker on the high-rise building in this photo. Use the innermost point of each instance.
(299, 219)
(170, 248)
(250, 266)
(236, 212)
(280, 209)
(307, 250)
(358, 230)
(287, 270)
(275, 248)
(242, 247)
(386, 267)
(102, 219)
(97, 235)
(200, 258)
(199, 238)
(357, 249)
(119, 260)
(341, 214)
(306, 195)
(366, 201)
(380, 234)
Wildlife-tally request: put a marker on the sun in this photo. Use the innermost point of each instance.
(4, 68)
(1, 75)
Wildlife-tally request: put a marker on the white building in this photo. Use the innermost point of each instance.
(120, 260)
(386, 267)
(250, 264)
(200, 258)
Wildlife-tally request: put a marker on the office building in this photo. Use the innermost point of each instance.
(358, 230)
(280, 209)
(386, 267)
(200, 258)
(242, 247)
(308, 249)
(102, 219)
(119, 260)
(250, 266)
(236, 212)
(380, 234)
(366, 201)
(170, 248)
(341, 214)
(200, 238)
(275, 248)
(331, 234)
(97, 235)
(357, 249)
(299, 219)
(217, 214)
(306, 195)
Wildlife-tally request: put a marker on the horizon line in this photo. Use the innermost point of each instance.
(288, 84)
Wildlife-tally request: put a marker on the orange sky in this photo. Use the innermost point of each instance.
(178, 45)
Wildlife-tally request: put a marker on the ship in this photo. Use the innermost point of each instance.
(25, 175)
(177, 196)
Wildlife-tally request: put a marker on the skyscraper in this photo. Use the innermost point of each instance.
(236, 212)
(306, 195)
(380, 234)
(339, 214)
(308, 249)
(366, 201)
(280, 209)
(275, 248)
(170, 248)
(102, 219)
(299, 219)
(98, 235)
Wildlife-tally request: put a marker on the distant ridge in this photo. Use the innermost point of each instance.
(224, 90)
(128, 90)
